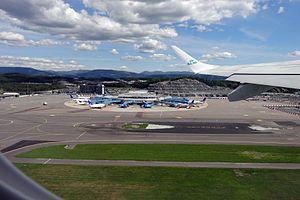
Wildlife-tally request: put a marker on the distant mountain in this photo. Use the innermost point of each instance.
(99, 73)
(23, 70)
(105, 73)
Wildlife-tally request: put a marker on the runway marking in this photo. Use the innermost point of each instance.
(178, 117)
(81, 135)
(259, 120)
(52, 115)
(245, 115)
(78, 123)
(116, 117)
(24, 131)
(46, 161)
(9, 122)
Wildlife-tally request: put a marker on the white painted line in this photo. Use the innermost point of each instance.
(81, 135)
(46, 161)
(78, 123)
(24, 131)
(117, 117)
(9, 122)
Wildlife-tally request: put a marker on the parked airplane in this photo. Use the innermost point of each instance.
(123, 105)
(255, 78)
(200, 102)
(146, 105)
(169, 100)
(81, 100)
(97, 105)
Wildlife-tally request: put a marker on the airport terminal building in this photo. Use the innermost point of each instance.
(138, 96)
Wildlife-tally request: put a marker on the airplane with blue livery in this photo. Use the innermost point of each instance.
(124, 104)
(146, 105)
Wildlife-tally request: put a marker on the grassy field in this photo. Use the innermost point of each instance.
(94, 182)
(135, 126)
(171, 152)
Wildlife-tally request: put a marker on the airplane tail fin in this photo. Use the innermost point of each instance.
(195, 65)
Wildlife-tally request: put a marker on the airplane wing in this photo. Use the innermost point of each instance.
(15, 185)
(255, 79)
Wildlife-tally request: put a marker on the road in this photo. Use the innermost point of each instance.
(159, 163)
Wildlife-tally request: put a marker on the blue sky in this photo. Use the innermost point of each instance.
(135, 35)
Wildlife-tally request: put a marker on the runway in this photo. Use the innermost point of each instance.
(221, 122)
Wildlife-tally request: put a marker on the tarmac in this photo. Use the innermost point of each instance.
(222, 165)
(221, 122)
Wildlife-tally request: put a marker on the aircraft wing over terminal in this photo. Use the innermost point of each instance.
(254, 78)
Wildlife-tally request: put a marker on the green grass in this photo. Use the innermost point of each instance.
(171, 152)
(135, 126)
(94, 182)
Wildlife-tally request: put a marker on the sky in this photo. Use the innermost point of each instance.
(135, 35)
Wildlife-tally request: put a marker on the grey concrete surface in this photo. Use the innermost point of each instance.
(159, 163)
(27, 119)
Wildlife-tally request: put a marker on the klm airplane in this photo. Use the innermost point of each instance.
(254, 78)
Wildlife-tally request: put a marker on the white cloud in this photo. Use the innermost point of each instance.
(10, 36)
(179, 66)
(218, 55)
(200, 28)
(294, 53)
(150, 46)
(56, 17)
(171, 11)
(16, 39)
(252, 34)
(45, 42)
(86, 46)
(39, 63)
(74, 62)
(114, 52)
(123, 67)
(162, 57)
(132, 58)
(280, 10)
(119, 20)
(265, 7)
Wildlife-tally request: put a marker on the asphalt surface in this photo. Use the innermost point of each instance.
(159, 163)
(221, 122)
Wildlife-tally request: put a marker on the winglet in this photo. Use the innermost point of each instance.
(184, 56)
(195, 65)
